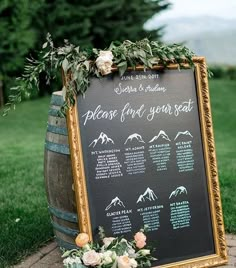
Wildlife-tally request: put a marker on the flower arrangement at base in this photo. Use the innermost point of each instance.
(110, 253)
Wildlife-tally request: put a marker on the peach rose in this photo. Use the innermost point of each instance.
(126, 262)
(91, 258)
(140, 239)
(82, 239)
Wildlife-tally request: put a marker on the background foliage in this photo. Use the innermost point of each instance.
(223, 71)
(88, 23)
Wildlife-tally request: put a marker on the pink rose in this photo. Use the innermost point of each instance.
(140, 244)
(140, 236)
(140, 239)
(91, 258)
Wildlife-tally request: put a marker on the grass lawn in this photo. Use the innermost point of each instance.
(223, 97)
(22, 194)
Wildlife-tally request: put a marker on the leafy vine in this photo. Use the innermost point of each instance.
(78, 66)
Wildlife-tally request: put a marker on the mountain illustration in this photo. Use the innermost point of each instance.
(135, 136)
(115, 202)
(179, 190)
(148, 195)
(103, 139)
(187, 133)
(162, 135)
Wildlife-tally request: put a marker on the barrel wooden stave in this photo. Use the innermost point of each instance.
(58, 177)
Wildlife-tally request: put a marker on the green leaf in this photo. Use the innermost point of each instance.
(142, 54)
(45, 45)
(121, 248)
(65, 64)
(122, 67)
(66, 254)
(112, 244)
(87, 65)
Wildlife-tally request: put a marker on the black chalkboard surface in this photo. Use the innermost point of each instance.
(144, 161)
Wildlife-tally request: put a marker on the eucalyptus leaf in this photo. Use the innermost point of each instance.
(121, 248)
(45, 45)
(122, 69)
(65, 65)
(87, 64)
(66, 254)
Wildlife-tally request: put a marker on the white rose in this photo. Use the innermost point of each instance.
(107, 257)
(71, 260)
(107, 241)
(126, 262)
(144, 252)
(107, 253)
(133, 263)
(104, 62)
(91, 258)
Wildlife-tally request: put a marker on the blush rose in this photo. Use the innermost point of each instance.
(91, 258)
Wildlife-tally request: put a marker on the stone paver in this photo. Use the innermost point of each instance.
(50, 256)
(44, 252)
(51, 260)
(231, 243)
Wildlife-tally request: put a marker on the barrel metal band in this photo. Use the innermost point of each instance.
(57, 147)
(67, 216)
(64, 244)
(57, 130)
(56, 100)
(65, 230)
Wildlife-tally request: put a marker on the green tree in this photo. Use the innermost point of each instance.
(96, 23)
(88, 23)
(17, 37)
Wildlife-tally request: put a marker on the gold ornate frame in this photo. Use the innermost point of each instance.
(201, 75)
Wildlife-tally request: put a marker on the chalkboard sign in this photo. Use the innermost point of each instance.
(143, 154)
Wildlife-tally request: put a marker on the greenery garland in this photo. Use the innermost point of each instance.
(81, 65)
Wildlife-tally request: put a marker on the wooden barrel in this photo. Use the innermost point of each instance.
(58, 177)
